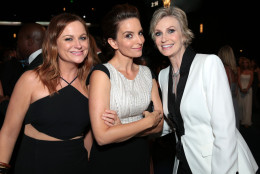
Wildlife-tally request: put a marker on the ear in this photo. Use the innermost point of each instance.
(112, 43)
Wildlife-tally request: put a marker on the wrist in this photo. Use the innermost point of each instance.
(5, 165)
(4, 168)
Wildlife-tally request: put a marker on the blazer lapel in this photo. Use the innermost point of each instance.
(174, 105)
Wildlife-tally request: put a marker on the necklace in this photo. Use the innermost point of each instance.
(175, 74)
(175, 80)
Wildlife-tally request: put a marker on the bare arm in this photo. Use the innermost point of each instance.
(157, 104)
(18, 105)
(99, 101)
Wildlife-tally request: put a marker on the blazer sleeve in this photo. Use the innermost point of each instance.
(220, 105)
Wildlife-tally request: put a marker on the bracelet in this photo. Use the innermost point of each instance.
(5, 165)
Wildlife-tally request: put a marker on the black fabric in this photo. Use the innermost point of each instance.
(52, 157)
(36, 62)
(10, 72)
(100, 67)
(128, 157)
(163, 154)
(64, 115)
(174, 106)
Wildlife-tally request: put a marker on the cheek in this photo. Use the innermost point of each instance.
(157, 42)
(124, 46)
(86, 45)
(143, 39)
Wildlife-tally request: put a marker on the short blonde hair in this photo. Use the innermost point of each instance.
(177, 13)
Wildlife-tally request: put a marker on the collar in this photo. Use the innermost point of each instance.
(187, 59)
(34, 55)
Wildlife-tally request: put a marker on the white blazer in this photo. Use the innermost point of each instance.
(211, 142)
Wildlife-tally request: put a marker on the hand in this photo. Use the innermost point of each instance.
(111, 118)
(156, 117)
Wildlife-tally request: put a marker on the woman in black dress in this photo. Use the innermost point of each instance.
(52, 101)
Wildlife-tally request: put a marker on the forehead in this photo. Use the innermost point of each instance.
(74, 27)
(129, 25)
(167, 22)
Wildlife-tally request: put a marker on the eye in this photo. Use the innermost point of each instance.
(83, 38)
(129, 36)
(141, 33)
(158, 33)
(68, 39)
(171, 31)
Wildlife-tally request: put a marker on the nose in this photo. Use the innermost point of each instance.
(164, 38)
(140, 39)
(78, 44)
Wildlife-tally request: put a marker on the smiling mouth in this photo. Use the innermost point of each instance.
(77, 52)
(167, 46)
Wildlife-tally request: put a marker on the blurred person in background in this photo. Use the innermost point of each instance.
(245, 81)
(226, 54)
(29, 44)
(256, 84)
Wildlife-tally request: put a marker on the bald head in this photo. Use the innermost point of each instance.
(29, 40)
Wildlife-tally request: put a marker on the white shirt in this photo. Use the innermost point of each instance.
(34, 55)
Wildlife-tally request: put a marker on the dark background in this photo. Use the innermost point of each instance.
(225, 21)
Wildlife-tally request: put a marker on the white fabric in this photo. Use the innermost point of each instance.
(211, 143)
(246, 100)
(34, 55)
(129, 98)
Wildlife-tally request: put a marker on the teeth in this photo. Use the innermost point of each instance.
(166, 46)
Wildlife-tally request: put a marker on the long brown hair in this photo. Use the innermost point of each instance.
(49, 71)
(226, 54)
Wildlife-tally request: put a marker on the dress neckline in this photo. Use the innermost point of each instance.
(71, 81)
(124, 75)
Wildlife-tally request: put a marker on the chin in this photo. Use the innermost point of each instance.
(166, 53)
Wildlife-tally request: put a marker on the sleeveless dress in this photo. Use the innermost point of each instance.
(63, 115)
(246, 100)
(129, 98)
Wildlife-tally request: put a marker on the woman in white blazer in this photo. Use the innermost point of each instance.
(198, 102)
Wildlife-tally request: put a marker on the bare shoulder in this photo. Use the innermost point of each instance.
(29, 76)
(28, 79)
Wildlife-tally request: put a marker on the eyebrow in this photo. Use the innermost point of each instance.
(132, 31)
(83, 34)
(128, 32)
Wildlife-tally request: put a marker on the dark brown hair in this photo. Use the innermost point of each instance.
(110, 23)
